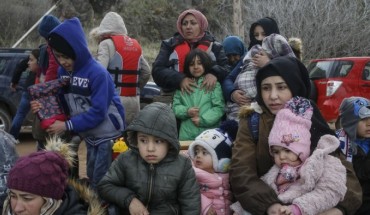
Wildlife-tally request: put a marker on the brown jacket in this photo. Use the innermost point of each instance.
(252, 160)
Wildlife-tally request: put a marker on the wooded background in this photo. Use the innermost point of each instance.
(328, 28)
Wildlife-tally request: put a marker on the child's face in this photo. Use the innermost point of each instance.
(259, 33)
(152, 149)
(363, 128)
(284, 156)
(196, 67)
(203, 159)
(275, 93)
(66, 62)
(32, 63)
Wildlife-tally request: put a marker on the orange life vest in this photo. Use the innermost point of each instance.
(183, 49)
(126, 73)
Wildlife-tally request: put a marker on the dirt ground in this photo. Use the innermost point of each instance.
(28, 144)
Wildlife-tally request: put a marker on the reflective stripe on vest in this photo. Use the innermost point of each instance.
(183, 49)
(127, 75)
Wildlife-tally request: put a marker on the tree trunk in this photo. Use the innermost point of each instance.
(237, 19)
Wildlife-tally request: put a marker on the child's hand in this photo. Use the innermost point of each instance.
(195, 120)
(137, 208)
(35, 106)
(211, 211)
(274, 209)
(193, 112)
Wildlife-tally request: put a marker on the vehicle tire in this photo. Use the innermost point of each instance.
(5, 119)
(313, 92)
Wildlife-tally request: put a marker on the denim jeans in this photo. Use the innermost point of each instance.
(98, 160)
(22, 111)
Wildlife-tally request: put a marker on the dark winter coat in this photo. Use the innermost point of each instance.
(174, 189)
(169, 79)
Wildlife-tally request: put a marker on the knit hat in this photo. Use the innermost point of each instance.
(218, 143)
(291, 128)
(202, 21)
(61, 45)
(351, 111)
(233, 45)
(48, 23)
(42, 173)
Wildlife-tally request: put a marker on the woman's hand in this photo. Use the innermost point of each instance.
(260, 59)
(239, 97)
(35, 106)
(333, 211)
(187, 85)
(58, 127)
(209, 82)
(274, 209)
(136, 207)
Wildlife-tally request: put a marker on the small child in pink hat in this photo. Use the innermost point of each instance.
(305, 183)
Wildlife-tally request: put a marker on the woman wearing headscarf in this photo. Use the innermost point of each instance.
(192, 33)
(277, 82)
(258, 31)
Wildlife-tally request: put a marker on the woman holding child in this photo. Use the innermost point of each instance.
(277, 82)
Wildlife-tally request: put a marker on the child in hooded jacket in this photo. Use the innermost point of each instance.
(354, 116)
(199, 110)
(152, 177)
(305, 184)
(211, 155)
(95, 110)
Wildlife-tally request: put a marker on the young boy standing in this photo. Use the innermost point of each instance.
(152, 177)
(95, 110)
(354, 136)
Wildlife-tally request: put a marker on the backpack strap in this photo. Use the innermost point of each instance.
(253, 123)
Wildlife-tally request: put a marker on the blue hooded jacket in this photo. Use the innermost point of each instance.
(95, 109)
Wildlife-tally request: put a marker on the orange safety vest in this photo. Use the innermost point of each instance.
(127, 75)
(183, 49)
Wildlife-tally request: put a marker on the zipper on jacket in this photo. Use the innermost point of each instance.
(150, 185)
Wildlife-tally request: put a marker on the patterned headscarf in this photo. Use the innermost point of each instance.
(276, 45)
(202, 21)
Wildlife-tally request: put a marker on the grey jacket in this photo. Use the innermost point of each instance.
(168, 187)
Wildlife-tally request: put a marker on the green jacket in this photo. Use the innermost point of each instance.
(211, 106)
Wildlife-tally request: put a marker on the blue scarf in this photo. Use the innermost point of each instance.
(364, 144)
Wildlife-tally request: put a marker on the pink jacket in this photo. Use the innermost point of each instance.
(215, 191)
(322, 182)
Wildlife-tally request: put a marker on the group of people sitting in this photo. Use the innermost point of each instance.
(274, 154)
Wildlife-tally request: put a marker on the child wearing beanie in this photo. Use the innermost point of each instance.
(38, 185)
(354, 136)
(304, 183)
(152, 177)
(211, 156)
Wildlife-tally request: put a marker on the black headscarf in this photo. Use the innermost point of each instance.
(295, 75)
(268, 24)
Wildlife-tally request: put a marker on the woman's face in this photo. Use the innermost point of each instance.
(190, 27)
(32, 63)
(275, 93)
(259, 33)
(25, 203)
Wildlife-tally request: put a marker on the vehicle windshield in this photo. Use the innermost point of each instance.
(329, 69)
